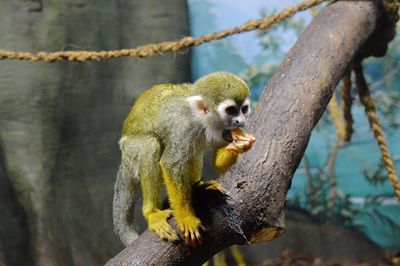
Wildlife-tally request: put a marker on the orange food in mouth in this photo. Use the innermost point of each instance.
(240, 140)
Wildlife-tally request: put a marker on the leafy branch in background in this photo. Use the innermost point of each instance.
(388, 103)
(371, 211)
(324, 201)
(375, 176)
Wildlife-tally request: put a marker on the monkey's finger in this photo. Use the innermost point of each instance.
(173, 236)
(198, 237)
(189, 241)
(166, 232)
(192, 239)
(202, 228)
(195, 238)
(169, 236)
(186, 236)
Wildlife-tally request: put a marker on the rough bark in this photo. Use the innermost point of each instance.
(60, 123)
(291, 105)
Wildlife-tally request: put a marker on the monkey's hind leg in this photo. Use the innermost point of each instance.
(179, 188)
(151, 181)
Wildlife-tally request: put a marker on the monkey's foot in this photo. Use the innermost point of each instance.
(190, 227)
(158, 224)
(212, 185)
(242, 141)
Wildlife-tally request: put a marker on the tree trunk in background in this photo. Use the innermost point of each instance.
(60, 123)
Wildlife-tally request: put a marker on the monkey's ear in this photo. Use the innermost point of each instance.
(198, 104)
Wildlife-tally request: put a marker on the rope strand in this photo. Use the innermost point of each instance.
(337, 117)
(347, 104)
(370, 109)
(162, 47)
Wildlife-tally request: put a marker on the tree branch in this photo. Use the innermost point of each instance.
(290, 106)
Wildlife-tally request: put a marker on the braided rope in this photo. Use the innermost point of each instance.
(345, 93)
(162, 47)
(337, 117)
(370, 109)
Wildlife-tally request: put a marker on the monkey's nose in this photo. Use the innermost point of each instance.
(238, 123)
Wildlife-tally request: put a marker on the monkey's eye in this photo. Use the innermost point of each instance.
(245, 109)
(231, 110)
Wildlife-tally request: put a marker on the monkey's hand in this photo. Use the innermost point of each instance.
(158, 224)
(242, 141)
(212, 185)
(190, 227)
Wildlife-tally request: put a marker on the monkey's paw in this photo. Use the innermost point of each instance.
(191, 227)
(213, 185)
(158, 224)
(242, 141)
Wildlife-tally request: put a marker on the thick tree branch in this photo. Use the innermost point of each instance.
(291, 105)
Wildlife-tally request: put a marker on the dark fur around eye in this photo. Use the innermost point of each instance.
(245, 109)
(231, 110)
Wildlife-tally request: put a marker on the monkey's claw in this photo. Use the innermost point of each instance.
(159, 225)
(191, 228)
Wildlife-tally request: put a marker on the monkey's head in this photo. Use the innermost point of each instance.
(221, 101)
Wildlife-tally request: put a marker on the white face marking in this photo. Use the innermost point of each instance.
(246, 103)
(213, 132)
(221, 109)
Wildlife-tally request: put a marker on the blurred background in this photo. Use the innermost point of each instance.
(60, 124)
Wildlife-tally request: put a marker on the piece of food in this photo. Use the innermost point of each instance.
(241, 141)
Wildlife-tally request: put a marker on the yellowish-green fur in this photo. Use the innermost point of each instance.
(163, 142)
(223, 159)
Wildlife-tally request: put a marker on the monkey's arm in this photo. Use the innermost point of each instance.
(223, 160)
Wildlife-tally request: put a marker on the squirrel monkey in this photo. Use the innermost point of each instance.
(163, 141)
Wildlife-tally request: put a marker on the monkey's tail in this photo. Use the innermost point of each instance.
(126, 192)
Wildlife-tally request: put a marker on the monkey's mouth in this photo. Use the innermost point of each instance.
(227, 135)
